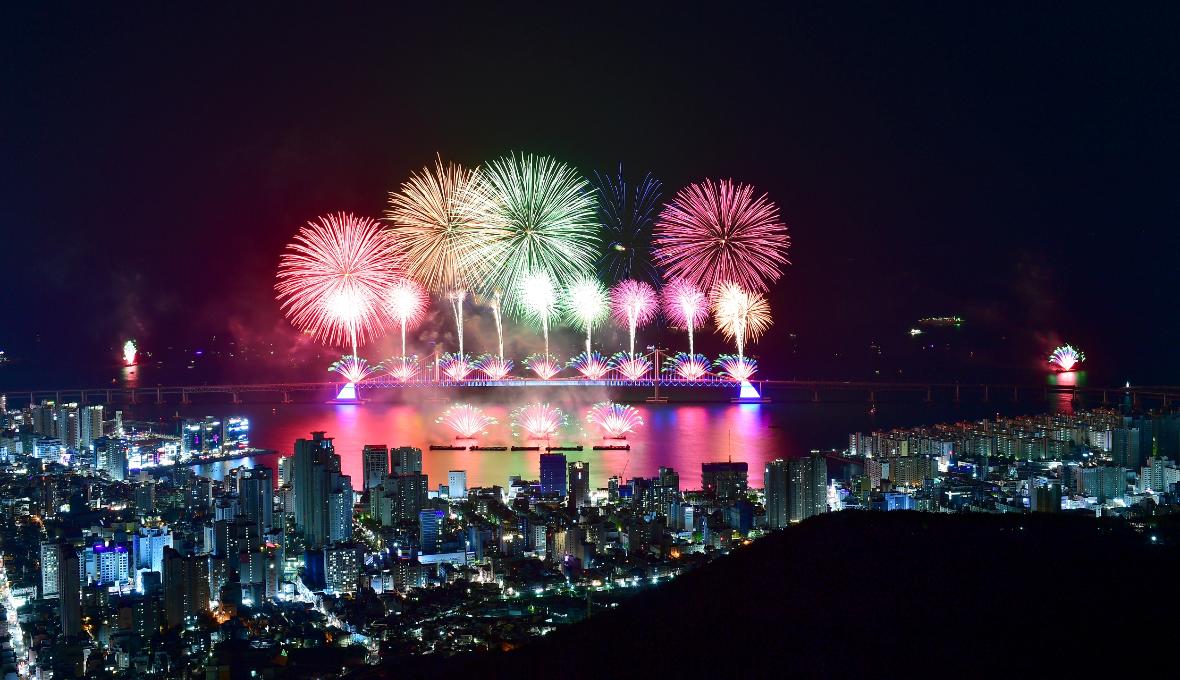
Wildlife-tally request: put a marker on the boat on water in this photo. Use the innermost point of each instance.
(612, 447)
(446, 447)
(564, 448)
(487, 448)
(526, 448)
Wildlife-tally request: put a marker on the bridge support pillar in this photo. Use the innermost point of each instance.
(956, 393)
(1015, 393)
(872, 397)
(82, 398)
(815, 395)
(32, 401)
(132, 396)
(108, 396)
(1105, 400)
(159, 396)
(929, 394)
(184, 398)
(237, 399)
(57, 398)
(286, 397)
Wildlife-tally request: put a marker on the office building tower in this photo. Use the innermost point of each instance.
(89, 426)
(405, 460)
(69, 592)
(457, 483)
(406, 495)
(256, 497)
(807, 490)
(340, 504)
(774, 487)
(201, 436)
(236, 433)
(579, 484)
(1158, 475)
(50, 565)
(186, 587)
(430, 531)
(342, 567)
(315, 468)
(725, 481)
(147, 548)
(1125, 448)
(1044, 496)
(107, 564)
(553, 469)
(375, 464)
(118, 426)
(111, 457)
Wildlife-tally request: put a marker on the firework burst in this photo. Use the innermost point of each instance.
(402, 369)
(685, 304)
(542, 221)
(494, 367)
(584, 304)
(592, 366)
(740, 315)
(353, 369)
(632, 366)
(718, 232)
(626, 214)
(456, 366)
(615, 420)
(544, 365)
(1066, 358)
(407, 304)
(466, 420)
(688, 366)
(538, 421)
(737, 367)
(333, 279)
(633, 303)
(538, 300)
(129, 352)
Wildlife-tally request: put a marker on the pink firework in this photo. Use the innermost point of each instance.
(615, 420)
(406, 301)
(633, 304)
(494, 367)
(455, 366)
(632, 367)
(466, 420)
(538, 421)
(738, 368)
(353, 369)
(402, 369)
(544, 365)
(333, 278)
(686, 305)
(688, 366)
(592, 366)
(715, 232)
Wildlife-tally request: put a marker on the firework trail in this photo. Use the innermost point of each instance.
(538, 300)
(585, 303)
(456, 366)
(332, 281)
(493, 301)
(719, 232)
(542, 221)
(538, 421)
(466, 420)
(737, 367)
(632, 366)
(592, 366)
(353, 369)
(1066, 357)
(402, 369)
(494, 367)
(686, 305)
(626, 214)
(740, 315)
(633, 303)
(407, 304)
(616, 420)
(129, 352)
(438, 217)
(688, 366)
(544, 365)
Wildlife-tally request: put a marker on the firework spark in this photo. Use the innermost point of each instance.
(493, 301)
(538, 299)
(585, 303)
(632, 366)
(737, 367)
(626, 214)
(402, 369)
(615, 420)
(719, 232)
(592, 366)
(353, 369)
(332, 282)
(544, 365)
(407, 304)
(466, 420)
(542, 221)
(1066, 357)
(685, 304)
(129, 352)
(688, 366)
(494, 367)
(633, 303)
(740, 315)
(455, 366)
(538, 421)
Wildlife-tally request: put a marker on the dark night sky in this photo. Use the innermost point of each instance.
(1016, 168)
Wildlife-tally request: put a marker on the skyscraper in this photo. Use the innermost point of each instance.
(89, 426)
(186, 587)
(375, 464)
(340, 502)
(553, 469)
(726, 481)
(457, 483)
(405, 460)
(774, 486)
(807, 491)
(1125, 449)
(50, 565)
(430, 531)
(579, 481)
(69, 592)
(256, 497)
(316, 464)
(406, 495)
(111, 457)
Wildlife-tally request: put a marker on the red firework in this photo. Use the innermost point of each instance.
(716, 232)
(333, 280)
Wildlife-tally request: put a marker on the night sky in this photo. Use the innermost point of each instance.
(1015, 167)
